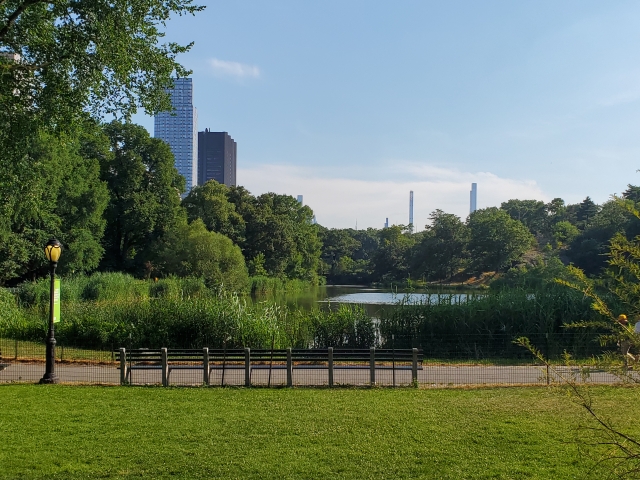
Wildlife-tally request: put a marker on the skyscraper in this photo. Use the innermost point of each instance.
(180, 130)
(411, 211)
(473, 203)
(300, 199)
(217, 154)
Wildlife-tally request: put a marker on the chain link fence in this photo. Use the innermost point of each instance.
(445, 360)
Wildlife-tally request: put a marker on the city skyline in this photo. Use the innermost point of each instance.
(529, 101)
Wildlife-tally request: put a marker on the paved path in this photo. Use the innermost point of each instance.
(429, 375)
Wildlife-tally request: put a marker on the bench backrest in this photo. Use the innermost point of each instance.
(264, 355)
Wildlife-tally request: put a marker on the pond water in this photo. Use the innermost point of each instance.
(373, 299)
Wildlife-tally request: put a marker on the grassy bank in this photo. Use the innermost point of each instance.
(237, 433)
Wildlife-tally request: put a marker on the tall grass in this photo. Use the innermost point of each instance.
(111, 310)
(262, 286)
(484, 324)
(115, 310)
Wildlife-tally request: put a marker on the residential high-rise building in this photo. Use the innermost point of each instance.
(217, 154)
(411, 211)
(180, 130)
(473, 202)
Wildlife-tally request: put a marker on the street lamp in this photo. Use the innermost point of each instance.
(52, 250)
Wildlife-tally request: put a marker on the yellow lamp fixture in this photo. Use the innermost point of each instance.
(52, 250)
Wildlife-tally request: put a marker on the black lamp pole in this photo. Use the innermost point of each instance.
(52, 251)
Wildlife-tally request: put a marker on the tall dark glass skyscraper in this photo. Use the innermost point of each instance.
(180, 130)
(216, 158)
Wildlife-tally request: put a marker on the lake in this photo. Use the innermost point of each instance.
(373, 299)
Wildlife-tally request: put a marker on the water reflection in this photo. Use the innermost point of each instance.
(373, 299)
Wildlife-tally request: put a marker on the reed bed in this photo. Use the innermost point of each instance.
(107, 311)
(485, 324)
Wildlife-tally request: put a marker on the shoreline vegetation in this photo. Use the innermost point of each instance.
(106, 310)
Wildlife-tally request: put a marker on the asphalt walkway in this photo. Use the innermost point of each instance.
(440, 375)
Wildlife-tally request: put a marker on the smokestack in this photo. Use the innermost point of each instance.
(411, 211)
(473, 204)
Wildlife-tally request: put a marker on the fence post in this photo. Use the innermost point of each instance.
(205, 366)
(414, 367)
(372, 366)
(247, 367)
(15, 357)
(165, 368)
(289, 368)
(330, 354)
(123, 366)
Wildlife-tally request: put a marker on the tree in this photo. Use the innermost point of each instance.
(632, 193)
(192, 250)
(280, 237)
(62, 196)
(144, 189)
(587, 250)
(496, 240)
(74, 54)
(532, 213)
(586, 212)
(391, 260)
(210, 203)
(564, 232)
(442, 250)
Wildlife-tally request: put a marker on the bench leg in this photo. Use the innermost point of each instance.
(205, 366)
(372, 366)
(165, 368)
(123, 367)
(330, 355)
(247, 367)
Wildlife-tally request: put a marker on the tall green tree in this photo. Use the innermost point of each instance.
(100, 55)
(210, 203)
(144, 189)
(443, 248)
(193, 250)
(496, 240)
(532, 213)
(586, 212)
(391, 260)
(62, 196)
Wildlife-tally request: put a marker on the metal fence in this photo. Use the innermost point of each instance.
(444, 361)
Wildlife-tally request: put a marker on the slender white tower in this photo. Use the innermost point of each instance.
(473, 204)
(411, 211)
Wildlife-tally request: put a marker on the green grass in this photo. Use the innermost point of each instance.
(98, 432)
(26, 350)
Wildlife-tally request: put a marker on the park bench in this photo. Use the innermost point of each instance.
(207, 360)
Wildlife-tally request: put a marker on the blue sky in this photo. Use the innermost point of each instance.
(353, 103)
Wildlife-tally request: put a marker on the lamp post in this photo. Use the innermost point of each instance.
(52, 250)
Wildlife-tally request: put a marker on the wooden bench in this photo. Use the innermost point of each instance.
(246, 359)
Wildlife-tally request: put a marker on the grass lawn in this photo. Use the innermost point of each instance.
(114, 432)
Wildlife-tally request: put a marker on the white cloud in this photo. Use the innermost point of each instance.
(233, 69)
(338, 201)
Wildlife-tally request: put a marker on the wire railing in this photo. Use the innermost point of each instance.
(448, 360)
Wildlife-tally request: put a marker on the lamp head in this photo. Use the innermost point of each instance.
(52, 250)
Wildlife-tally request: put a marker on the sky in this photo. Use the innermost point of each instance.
(353, 103)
